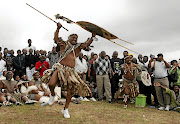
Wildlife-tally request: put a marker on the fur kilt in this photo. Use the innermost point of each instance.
(132, 85)
(68, 79)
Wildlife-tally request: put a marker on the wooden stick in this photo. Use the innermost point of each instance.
(45, 15)
(126, 41)
(123, 46)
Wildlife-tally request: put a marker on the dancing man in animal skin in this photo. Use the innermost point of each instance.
(130, 87)
(64, 71)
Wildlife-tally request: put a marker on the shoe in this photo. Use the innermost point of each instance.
(93, 99)
(18, 103)
(44, 104)
(109, 101)
(65, 112)
(85, 99)
(29, 103)
(77, 101)
(80, 98)
(60, 102)
(161, 108)
(167, 108)
(51, 100)
(113, 100)
(6, 103)
(100, 99)
(125, 106)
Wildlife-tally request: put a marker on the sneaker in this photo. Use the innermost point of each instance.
(6, 103)
(93, 99)
(29, 103)
(80, 98)
(125, 106)
(18, 103)
(167, 108)
(85, 99)
(44, 104)
(65, 112)
(60, 102)
(161, 108)
(113, 100)
(109, 101)
(51, 100)
(100, 99)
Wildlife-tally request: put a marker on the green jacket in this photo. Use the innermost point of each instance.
(172, 71)
(175, 99)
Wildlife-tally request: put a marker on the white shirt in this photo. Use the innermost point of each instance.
(31, 47)
(81, 67)
(160, 69)
(2, 66)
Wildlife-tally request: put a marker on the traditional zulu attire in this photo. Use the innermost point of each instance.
(68, 77)
(10, 86)
(132, 85)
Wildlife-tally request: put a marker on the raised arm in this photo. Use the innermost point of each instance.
(56, 38)
(88, 42)
(149, 64)
(166, 64)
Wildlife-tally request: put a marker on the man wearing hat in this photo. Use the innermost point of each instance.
(130, 86)
(11, 90)
(160, 71)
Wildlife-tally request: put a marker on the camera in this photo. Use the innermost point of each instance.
(153, 57)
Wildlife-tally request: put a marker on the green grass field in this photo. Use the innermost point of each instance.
(86, 113)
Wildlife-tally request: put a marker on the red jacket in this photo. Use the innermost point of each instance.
(45, 67)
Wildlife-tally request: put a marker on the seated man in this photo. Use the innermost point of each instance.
(24, 78)
(11, 91)
(130, 86)
(3, 100)
(174, 96)
(39, 91)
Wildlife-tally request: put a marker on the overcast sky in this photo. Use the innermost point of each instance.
(152, 25)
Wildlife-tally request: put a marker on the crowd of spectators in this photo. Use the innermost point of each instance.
(101, 72)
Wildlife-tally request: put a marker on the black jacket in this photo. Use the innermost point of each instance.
(18, 62)
(30, 59)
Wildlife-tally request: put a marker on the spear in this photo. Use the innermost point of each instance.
(45, 15)
(123, 46)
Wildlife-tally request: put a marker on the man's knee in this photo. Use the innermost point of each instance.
(51, 85)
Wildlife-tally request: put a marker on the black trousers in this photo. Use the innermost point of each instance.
(146, 90)
(114, 85)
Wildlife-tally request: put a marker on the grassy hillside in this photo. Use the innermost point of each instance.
(86, 113)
